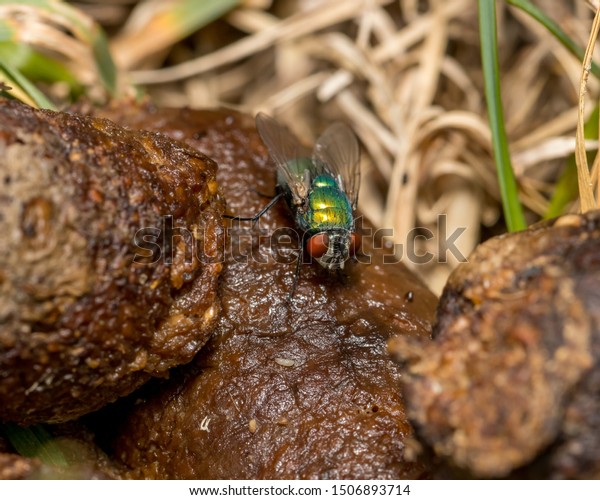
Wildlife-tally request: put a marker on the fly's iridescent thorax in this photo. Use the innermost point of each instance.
(329, 216)
(328, 206)
(321, 187)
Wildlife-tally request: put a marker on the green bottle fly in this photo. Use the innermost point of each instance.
(320, 186)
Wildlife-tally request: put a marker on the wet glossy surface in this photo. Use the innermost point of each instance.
(300, 389)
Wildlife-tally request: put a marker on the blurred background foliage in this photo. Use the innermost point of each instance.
(407, 75)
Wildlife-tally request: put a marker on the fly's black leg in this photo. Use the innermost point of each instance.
(259, 214)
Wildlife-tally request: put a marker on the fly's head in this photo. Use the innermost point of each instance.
(332, 248)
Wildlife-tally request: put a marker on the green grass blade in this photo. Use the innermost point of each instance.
(81, 26)
(555, 29)
(191, 15)
(7, 32)
(90, 32)
(565, 191)
(157, 29)
(14, 78)
(35, 442)
(104, 62)
(513, 212)
(35, 65)
(567, 187)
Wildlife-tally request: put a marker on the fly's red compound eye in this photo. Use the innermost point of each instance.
(317, 245)
(355, 243)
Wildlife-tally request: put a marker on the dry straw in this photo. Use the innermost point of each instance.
(586, 187)
(406, 75)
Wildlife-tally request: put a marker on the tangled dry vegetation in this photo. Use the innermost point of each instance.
(406, 74)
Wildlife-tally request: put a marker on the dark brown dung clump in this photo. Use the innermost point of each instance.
(81, 323)
(299, 389)
(512, 377)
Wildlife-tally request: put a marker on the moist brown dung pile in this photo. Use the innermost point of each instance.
(299, 389)
(512, 377)
(80, 322)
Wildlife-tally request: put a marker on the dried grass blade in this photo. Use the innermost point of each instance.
(586, 188)
(553, 28)
(293, 27)
(566, 188)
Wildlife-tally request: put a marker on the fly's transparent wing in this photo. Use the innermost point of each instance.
(338, 152)
(292, 159)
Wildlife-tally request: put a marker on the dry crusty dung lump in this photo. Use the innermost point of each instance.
(81, 323)
(283, 389)
(511, 381)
